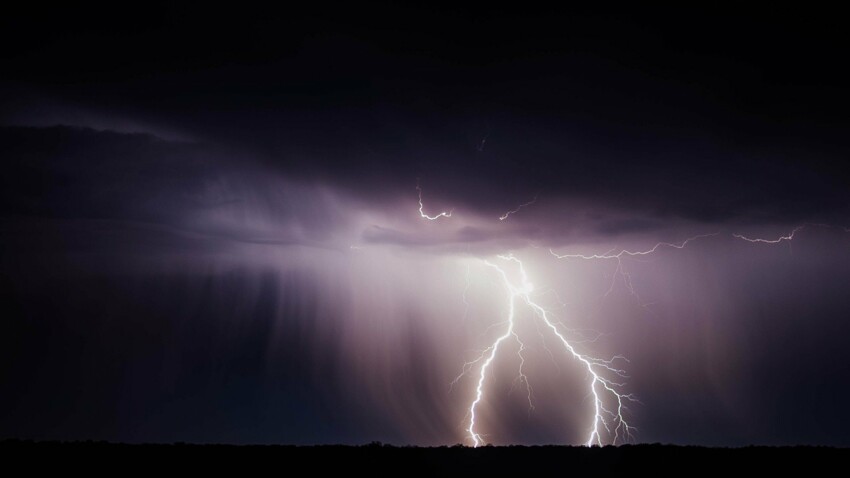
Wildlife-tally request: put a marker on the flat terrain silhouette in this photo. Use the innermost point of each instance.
(107, 457)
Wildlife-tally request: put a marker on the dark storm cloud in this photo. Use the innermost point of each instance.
(102, 179)
(747, 126)
(107, 179)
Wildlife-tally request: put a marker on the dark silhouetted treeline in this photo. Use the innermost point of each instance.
(104, 457)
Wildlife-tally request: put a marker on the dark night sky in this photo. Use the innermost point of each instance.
(186, 190)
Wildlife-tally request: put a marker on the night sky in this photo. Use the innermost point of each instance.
(210, 227)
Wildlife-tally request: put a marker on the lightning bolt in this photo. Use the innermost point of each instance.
(422, 208)
(605, 377)
(624, 252)
(788, 237)
(516, 210)
(791, 235)
(620, 271)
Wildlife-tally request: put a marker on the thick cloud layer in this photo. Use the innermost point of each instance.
(632, 110)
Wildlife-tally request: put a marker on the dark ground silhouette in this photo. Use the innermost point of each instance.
(95, 457)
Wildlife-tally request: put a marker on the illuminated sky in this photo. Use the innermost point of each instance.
(227, 226)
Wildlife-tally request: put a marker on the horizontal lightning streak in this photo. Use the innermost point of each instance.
(791, 235)
(788, 237)
(624, 252)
